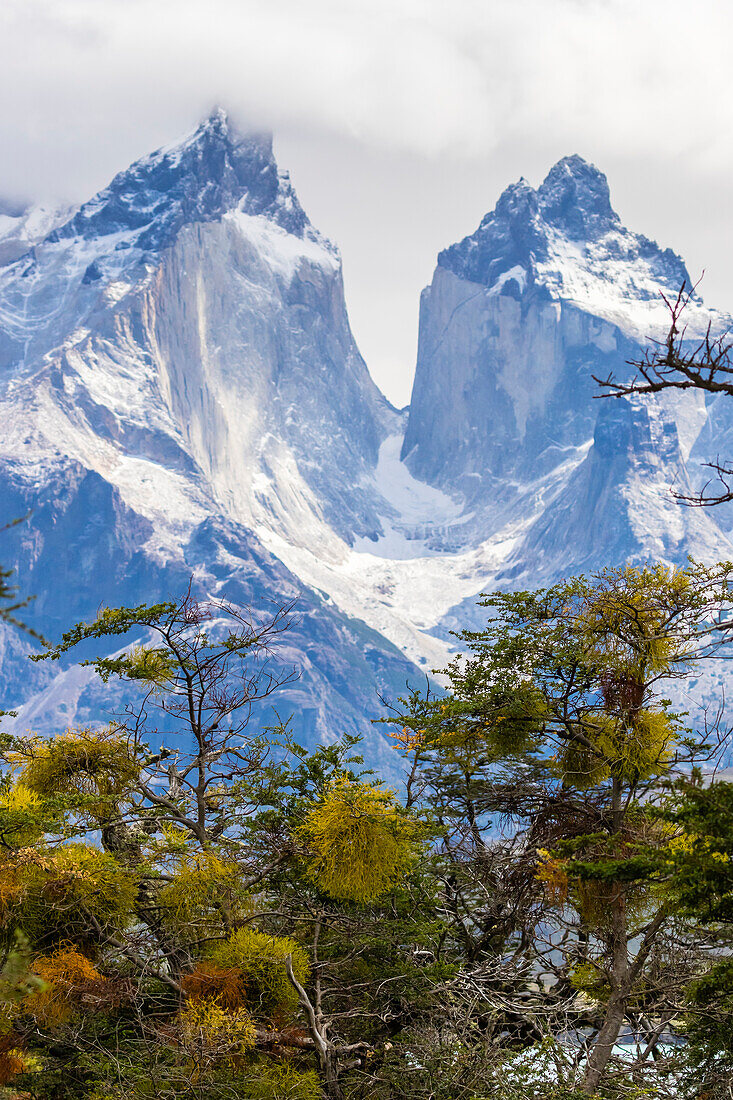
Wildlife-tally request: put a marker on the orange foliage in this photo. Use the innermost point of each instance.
(551, 872)
(72, 981)
(407, 740)
(209, 982)
(11, 1059)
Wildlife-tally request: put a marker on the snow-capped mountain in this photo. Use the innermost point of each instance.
(180, 393)
(177, 372)
(532, 477)
(549, 291)
(190, 317)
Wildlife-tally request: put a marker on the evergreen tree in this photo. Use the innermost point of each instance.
(556, 723)
(702, 888)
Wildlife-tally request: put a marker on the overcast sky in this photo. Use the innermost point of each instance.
(400, 120)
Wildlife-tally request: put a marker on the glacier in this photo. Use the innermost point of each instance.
(182, 397)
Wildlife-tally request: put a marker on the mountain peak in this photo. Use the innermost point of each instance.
(216, 128)
(218, 116)
(518, 200)
(508, 236)
(564, 240)
(575, 197)
(210, 171)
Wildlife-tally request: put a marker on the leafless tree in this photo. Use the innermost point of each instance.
(681, 363)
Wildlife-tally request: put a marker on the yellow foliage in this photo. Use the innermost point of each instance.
(20, 810)
(271, 1080)
(173, 840)
(632, 750)
(13, 871)
(595, 900)
(627, 621)
(51, 895)
(506, 721)
(154, 666)
(260, 959)
(92, 763)
(358, 841)
(20, 799)
(687, 844)
(203, 884)
(637, 749)
(581, 765)
(210, 1033)
(66, 974)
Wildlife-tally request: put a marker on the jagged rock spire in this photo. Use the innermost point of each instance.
(211, 170)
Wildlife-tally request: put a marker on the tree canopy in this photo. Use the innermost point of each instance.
(192, 904)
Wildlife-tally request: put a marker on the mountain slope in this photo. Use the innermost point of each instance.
(549, 291)
(535, 478)
(191, 317)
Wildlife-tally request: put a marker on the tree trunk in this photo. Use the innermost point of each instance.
(604, 1044)
(327, 1054)
(330, 1075)
(619, 977)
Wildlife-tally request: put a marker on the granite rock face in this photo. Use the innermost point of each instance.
(191, 316)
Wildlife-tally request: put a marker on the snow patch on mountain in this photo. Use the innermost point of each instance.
(408, 583)
(282, 251)
(21, 228)
(566, 238)
(613, 279)
(418, 512)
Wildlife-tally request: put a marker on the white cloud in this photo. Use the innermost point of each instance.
(430, 76)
